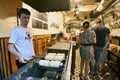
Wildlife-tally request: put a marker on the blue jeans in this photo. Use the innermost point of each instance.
(95, 67)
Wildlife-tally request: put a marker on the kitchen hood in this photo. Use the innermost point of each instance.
(49, 5)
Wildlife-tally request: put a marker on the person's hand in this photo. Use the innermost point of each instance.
(22, 59)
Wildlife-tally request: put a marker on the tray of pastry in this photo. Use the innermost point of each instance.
(51, 65)
(52, 61)
(55, 56)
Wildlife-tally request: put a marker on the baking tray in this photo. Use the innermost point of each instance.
(60, 69)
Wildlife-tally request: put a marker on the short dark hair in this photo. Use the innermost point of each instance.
(23, 11)
(86, 24)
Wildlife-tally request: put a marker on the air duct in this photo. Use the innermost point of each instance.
(104, 5)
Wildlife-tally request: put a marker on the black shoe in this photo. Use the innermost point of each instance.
(91, 75)
(96, 75)
(81, 76)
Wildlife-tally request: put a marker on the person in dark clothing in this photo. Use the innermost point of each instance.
(101, 33)
(60, 34)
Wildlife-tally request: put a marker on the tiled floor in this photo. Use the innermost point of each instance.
(106, 74)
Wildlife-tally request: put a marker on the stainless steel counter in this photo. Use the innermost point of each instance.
(60, 47)
(35, 71)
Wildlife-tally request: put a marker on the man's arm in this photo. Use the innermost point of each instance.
(13, 50)
(109, 37)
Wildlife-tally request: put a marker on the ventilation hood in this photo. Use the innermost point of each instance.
(49, 5)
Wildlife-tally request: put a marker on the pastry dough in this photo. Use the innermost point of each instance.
(44, 63)
(56, 64)
(59, 58)
(50, 56)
